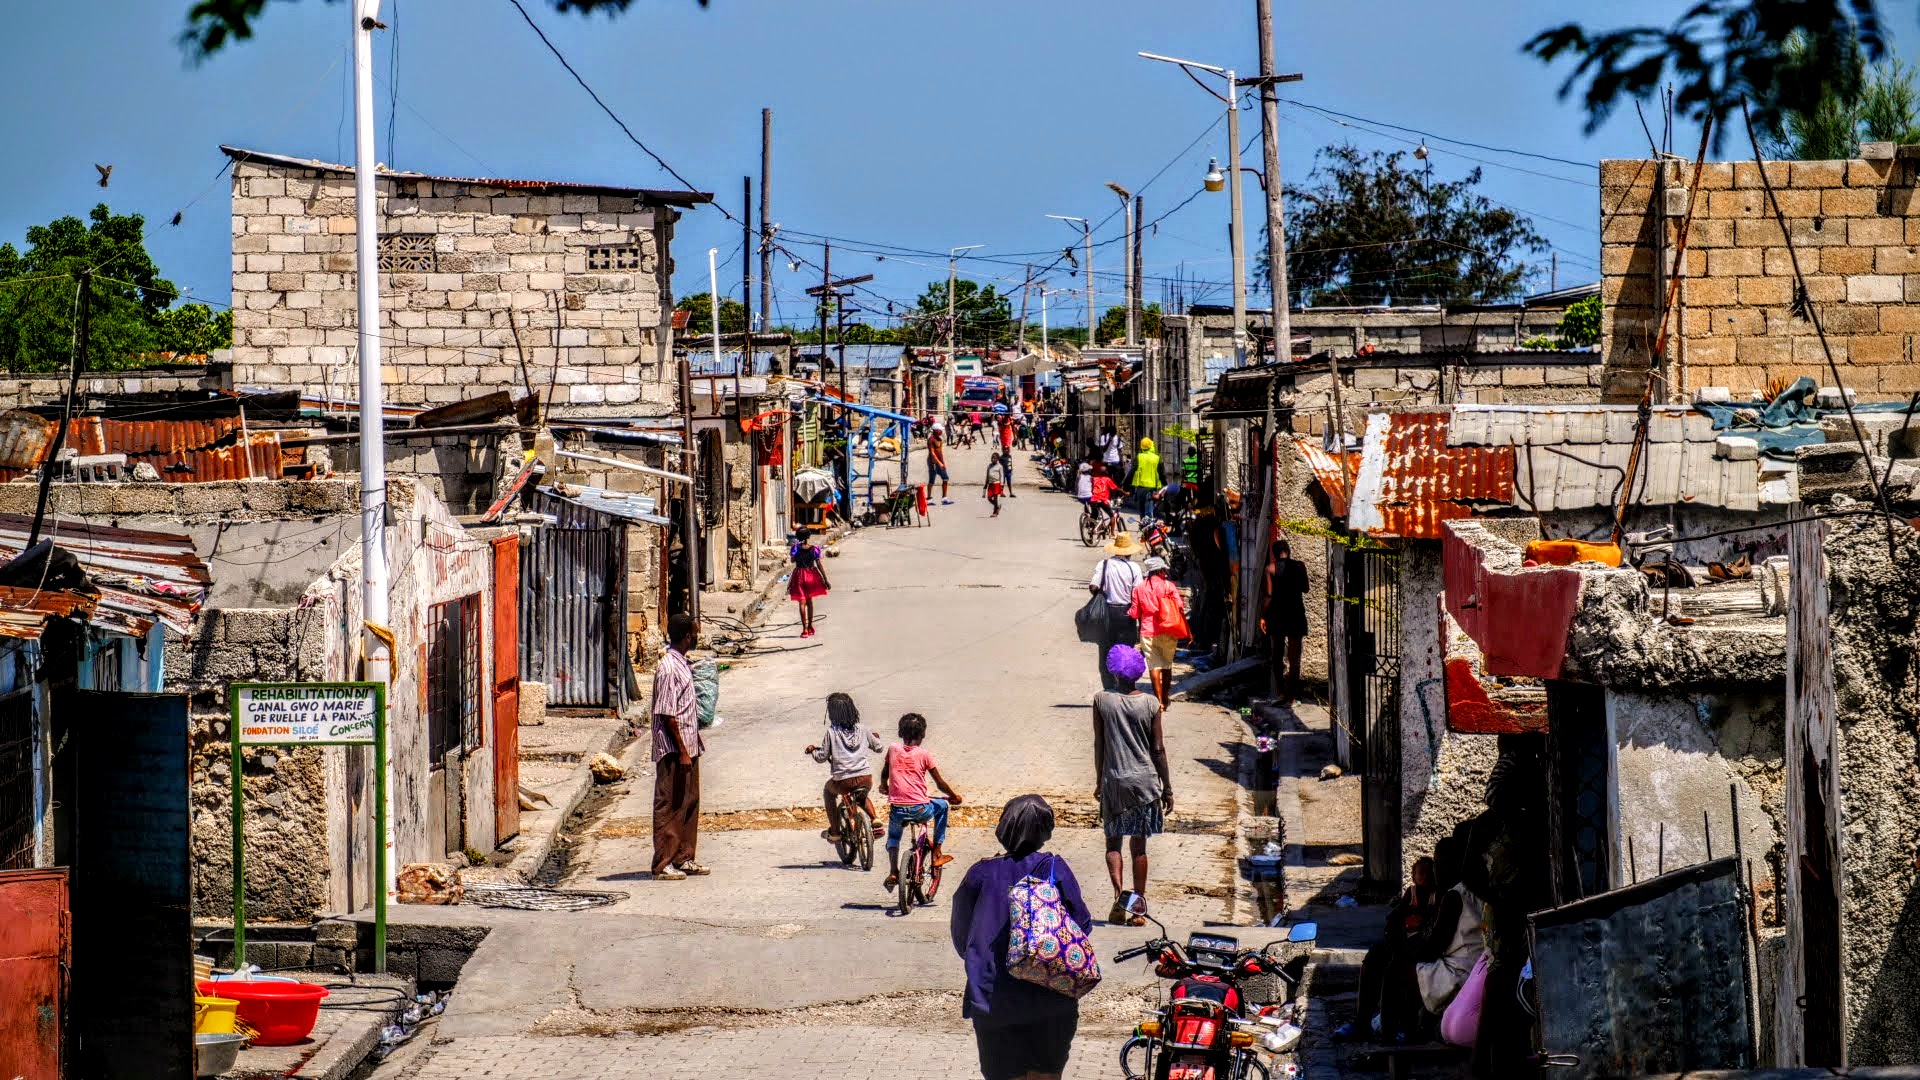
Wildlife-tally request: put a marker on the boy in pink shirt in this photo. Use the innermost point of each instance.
(904, 774)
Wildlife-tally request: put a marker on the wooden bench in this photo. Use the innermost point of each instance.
(1397, 1059)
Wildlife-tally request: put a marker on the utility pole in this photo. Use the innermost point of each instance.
(690, 519)
(1553, 280)
(746, 272)
(1132, 284)
(1136, 315)
(1026, 288)
(1239, 237)
(52, 459)
(766, 224)
(375, 613)
(1276, 211)
(828, 291)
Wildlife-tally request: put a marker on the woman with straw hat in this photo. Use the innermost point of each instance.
(1115, 578)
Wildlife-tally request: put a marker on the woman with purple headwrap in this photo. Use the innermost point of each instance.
(1130, 772)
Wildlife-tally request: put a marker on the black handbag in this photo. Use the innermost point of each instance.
(1090, 622)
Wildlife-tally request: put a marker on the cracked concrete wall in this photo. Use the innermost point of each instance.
(1873, 598)
(1443, 773)
(1676, 756)
(1616, 642)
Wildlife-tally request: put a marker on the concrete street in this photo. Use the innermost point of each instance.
(783, 963)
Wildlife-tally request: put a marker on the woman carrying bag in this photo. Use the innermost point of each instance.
(1022, 1024)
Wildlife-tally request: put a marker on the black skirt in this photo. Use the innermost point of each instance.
(1012, 1051)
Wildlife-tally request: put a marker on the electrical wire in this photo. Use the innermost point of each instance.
(1441, 138)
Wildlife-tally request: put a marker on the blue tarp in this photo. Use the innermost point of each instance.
(1786, 423)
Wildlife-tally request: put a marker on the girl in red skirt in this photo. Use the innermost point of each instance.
(995, 484)
(807, 581)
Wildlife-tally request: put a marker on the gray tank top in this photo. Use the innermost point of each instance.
(1128, 777)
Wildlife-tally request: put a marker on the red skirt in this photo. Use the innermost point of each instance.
(994, 491)
(807, 584)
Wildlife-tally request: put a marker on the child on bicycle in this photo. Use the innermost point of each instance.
(1100, 495)
(904, 773)
(844, 749)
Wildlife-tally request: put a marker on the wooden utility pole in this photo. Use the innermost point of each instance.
(1134, 319)
(766, 225)
(1026, 287)
(746, 274)
(52, 461)
(1276, 209)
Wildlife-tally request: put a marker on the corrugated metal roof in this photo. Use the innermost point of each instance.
(1410, 480)
(182, 451)
(670, 197)
(26, 613)
(1329, 471)
(143, 576)
(1217, 366)
(626, 505)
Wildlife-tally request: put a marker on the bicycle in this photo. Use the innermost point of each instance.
(856, 830)
(919, 878)
(1096, 525)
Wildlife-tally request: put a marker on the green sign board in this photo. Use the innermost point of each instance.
(310, 714)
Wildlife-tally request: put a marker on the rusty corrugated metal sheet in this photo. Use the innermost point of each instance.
(143, 576)
(1410, 480)
(36, 952)
(1328, 470)
(25, 613)
(182, 451)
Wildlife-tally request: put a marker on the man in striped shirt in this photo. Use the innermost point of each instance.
(676, 757)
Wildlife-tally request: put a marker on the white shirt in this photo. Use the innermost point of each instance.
(1110, 448)
(1083, 487)
(1123, 574)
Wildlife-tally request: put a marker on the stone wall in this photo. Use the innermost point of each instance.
(1856, 229)
(581, 282)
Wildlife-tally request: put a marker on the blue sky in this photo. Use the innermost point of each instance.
(913, 123)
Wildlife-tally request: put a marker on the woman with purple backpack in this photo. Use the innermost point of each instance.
(1023, 1029)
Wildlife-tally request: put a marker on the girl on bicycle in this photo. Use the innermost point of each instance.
(807, 581)
(904, 772)
(844, 749)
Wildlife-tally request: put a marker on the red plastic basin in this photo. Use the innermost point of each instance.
(282, 1012)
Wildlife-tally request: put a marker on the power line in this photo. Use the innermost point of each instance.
(1424, 134)
(615, 117)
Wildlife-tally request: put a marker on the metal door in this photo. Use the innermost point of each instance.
(506, 688)
(573, 605)
(1372, 602)
(34, 953)
(132, 928)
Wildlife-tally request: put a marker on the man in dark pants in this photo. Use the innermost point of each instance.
(677, 747)
(1115, 577)
(1208, 541)
(1284, 619)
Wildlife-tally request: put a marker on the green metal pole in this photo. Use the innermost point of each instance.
(239, 849)
(380, 825)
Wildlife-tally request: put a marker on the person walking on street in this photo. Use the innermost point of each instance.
(1024, 1031)
(1284, 620)
(1208, 542)
(807, 580)
(1162, 617)
(844, 750)
(995, 483)
(677, 747)
(1006, 451)
(1131, 777)
(1115, 577)
(1109, 447)
(937, 465)
(1146, 478)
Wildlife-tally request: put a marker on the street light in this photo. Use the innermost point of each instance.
(1216, 180)
(1086, 227)
(1239, 230)
(946, 393)
(1133, 286)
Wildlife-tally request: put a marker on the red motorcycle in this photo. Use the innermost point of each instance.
(1217, 1019)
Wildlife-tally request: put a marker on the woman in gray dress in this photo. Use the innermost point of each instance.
(1130, 772)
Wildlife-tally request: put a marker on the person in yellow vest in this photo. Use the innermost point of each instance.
(1146, 478)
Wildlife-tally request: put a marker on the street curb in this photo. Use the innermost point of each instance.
(1243, 905)
(537, 844)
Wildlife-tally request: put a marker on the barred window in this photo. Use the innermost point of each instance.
(453, 677)
(613, 257)
(407, 253)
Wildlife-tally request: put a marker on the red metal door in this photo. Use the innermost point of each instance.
(506, 687)
(34, 953)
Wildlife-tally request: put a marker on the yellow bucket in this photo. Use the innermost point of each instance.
(214, 1015)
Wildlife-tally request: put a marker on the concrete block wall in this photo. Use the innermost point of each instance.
(502, 260)
(1855, 227)
(1366, 388)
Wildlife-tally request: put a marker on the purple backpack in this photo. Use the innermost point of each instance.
(1045, 945)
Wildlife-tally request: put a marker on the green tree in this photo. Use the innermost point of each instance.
(981, 315)
(1364, 229)
(1113, 324)
(1783, 57)
(213, 24)
(129, 300)
(1888, 110)
(699, 306)
(1580, 324)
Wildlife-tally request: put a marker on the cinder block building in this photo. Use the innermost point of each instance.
(536, 286)
(1855, 229)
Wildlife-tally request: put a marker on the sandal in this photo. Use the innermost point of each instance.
(829, 836)
(1120, 916)
(892, 882)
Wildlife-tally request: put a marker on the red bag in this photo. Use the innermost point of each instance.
(1171, 619)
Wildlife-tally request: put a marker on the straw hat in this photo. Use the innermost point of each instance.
(1124, 544)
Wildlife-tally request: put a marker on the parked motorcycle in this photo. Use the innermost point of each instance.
(1158, 536)
(1222, 1014)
